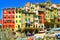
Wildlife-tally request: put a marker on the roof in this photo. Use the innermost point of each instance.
(25, 12)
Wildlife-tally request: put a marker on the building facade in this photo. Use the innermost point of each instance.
(41, 19)
(58, 15)
(27, 19)
(8, 18)
(47, 15)
(0, 23)
(18, 18)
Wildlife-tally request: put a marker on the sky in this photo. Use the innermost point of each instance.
(20, 3)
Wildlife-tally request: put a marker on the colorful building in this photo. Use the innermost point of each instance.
(41, 19)
(51, 14)
(47, 15)
(58, 15)
(18, 18)
(27, 19)
(0, 23)
(36, 24)
(55, 17)
(8, 17)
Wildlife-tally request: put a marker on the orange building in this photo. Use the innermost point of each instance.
(41, 19)
(0, 21)
(8, 17)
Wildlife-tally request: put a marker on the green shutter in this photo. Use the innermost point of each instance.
(25, 19)
(19, 16)
(29, 14)
(16, 16)
(16, 21)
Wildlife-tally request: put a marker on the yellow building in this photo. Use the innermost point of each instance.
(55, 17)
(47, 15)
(18, 18)
(27, 19)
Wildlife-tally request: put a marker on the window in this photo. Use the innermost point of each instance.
(51, 15)
(28, 14)
(20, 21)
(9, 21)
(8, 10)
(58, 20)
(27, 25)
(28, 18)
(46, 16)
(16, 21)
(36, 25)
(16, 16)
(40, 17)
(13, 21)
(40, 21)
(32, 7)
(19, 11)
(58, 16)
(58, 25)
(4, 10)
(28, 10)
(13, 10)
(41, 26)
(35, 16)
(13, 16)
(25, 14)
(8, 16)
(25, 19)
(18, 26)
(42, 6)
(19, 16)
(4, 21)
(16, 10)
(36, 20)
(4, 16)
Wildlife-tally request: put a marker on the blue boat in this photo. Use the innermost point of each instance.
(55, 29)
(58, 36)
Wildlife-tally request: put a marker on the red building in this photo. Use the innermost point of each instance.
(0, 21)
(8, 17)
(41, 18)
